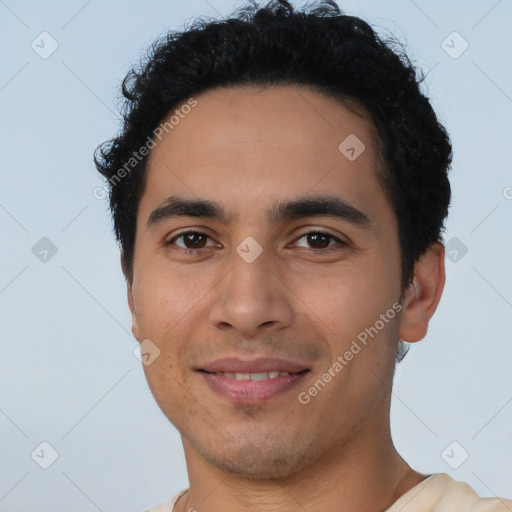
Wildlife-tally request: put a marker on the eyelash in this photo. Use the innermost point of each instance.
(315, 251)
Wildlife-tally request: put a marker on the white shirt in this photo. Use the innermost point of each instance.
(437, 493)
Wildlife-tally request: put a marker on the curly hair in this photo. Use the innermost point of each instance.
(321, 48)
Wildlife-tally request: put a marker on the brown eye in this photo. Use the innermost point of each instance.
(190, 240)
(317, 240)
(196, 240)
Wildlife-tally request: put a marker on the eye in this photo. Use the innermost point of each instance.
(319, 240)
(192, 240)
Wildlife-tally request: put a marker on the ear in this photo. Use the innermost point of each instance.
(131, 305)
(423, 294)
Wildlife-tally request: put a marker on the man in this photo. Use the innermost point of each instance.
(279, 190)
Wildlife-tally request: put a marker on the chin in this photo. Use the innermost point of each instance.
(269, 462)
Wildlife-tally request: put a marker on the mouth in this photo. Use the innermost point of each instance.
(254, 376)
(252, 382)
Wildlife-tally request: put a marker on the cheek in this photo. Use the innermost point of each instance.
(161, 300)
(171, 393)
(348, 299)
(169, 304)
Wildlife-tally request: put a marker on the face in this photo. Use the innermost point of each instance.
(253, 307)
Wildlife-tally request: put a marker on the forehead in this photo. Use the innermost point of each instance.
(264, 143)
(228, 121)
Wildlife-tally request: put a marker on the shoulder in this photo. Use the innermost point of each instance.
(168, 504)
(441, 493)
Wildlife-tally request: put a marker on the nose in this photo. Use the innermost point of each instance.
(251, 299)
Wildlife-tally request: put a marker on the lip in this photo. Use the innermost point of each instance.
(252, 391)
(262, 364)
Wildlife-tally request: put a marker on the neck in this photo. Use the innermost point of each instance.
(368, 476)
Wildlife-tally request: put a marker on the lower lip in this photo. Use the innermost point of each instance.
(252, 391)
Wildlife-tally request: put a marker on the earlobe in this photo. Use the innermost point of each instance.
(423, 295)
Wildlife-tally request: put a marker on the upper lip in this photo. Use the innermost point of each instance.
(260, 365)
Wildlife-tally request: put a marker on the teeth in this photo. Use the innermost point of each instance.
(259, 376)
(253, 376)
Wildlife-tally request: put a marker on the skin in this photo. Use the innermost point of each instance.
(246, 148)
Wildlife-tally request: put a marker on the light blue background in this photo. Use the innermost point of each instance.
(68, 373)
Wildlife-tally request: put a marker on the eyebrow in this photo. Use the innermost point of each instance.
(310, 206)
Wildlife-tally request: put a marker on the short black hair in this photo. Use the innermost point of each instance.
(320, 48)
